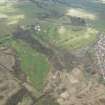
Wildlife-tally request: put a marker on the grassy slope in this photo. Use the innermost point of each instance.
(33, 63)
(69, 39)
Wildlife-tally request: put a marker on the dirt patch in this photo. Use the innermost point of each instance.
(75, 89)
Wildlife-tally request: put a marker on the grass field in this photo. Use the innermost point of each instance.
(67, 37)
(33, 63)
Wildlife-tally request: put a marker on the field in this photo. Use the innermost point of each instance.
(68, 37)
(33, 63)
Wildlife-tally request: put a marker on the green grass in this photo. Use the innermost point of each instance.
(69, 39)
(72, 39)
(34, 64)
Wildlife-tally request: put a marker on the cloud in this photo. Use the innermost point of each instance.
(2, 1)
(99, 1)
(15, 19)
(80, 13)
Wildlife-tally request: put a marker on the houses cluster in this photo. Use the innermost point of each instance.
(35, 27)
(100, 54)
